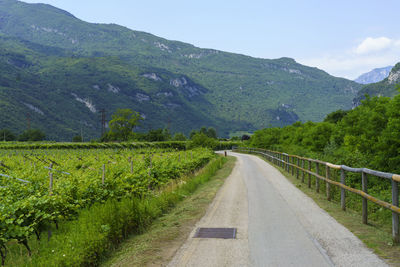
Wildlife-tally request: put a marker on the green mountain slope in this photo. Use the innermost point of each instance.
(78, 68)
(387, 87)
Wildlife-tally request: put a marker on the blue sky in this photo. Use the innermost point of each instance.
(344, 38)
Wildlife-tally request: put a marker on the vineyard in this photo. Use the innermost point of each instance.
(41, 188)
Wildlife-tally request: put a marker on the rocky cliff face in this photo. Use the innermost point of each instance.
(394, 77)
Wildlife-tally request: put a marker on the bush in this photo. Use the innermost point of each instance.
(32, 135)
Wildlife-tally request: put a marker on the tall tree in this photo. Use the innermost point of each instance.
(123, 122)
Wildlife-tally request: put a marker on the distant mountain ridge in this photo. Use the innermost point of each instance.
(387, 87)
(62, 71)
(374, 76)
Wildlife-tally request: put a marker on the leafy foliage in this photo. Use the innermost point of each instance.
(28, 206)
(32, 135)
(122, 124)
(368, 132)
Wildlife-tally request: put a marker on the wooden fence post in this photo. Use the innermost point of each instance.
(316, 178)
(309, 175)
(287, 163)
(303, 172)
(49, 232)
(103, 177)
(364, 185)
(342, 191)
(328, 185)
(395, 216)
(292, 161)
(297, 169)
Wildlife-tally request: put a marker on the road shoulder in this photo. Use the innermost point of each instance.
(229, 209)
(158, 245)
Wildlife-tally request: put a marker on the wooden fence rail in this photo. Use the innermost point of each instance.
(291, 162)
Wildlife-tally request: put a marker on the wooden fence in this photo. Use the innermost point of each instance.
(292, 162)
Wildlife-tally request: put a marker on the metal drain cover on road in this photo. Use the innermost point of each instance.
(226, 233)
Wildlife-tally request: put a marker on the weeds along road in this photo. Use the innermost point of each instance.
(277, 225)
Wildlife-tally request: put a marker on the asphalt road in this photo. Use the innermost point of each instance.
(277, 225)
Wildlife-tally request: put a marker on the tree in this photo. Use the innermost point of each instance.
(6, 135)
(158, 135)
(122, 124)
(32, 135)
(336, 116)
(179, 137)
(202, 140)
(203, 130)
(212, 133)
(77, 139)
(192, 134)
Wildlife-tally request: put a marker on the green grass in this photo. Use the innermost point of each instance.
(157, 246)
(376, 235)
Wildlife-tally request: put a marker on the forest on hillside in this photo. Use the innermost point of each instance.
(367, 136)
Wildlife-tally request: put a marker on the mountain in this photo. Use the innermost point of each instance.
(388, 87)
(374, 76)
(62, 71)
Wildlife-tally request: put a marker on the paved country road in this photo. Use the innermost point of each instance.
(277, 225)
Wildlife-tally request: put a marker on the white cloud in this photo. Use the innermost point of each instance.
(369, 54)
(374, 44)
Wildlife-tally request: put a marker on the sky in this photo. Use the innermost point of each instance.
(343, 37)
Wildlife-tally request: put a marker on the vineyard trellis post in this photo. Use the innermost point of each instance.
(51, 179)
(103, 177)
